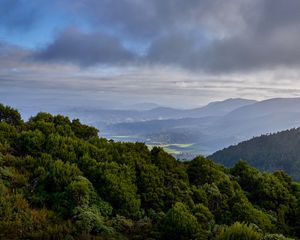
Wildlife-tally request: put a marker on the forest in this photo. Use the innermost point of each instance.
(268, 152)
(60, 180)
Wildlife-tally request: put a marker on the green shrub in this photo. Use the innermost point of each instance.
(239, 231)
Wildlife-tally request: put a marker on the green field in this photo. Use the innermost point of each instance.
(176, 148)
(189, 150)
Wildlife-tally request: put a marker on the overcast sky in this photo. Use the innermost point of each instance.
(181, 53)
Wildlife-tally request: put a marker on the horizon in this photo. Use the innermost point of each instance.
(66, 110)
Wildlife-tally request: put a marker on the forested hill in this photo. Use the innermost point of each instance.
(279, 151)
(59, 180)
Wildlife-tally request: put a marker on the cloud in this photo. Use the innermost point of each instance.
(138, 19)
(268, 38)
(141, 20)
(85, 49)
(271, 39)
(177, 50)
(11, 56)
(212, 36)
(39, 83)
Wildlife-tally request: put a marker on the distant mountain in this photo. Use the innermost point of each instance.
(165, 113)
(215, 126)
(265, 107)
(100, 116)
(220, 108)
(267, 116)
(143, 106)
(156, 126)
(278, 151)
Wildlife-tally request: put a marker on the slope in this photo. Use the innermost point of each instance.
(278, 151)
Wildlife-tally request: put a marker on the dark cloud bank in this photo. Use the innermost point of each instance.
(85, 49)
(214, 36)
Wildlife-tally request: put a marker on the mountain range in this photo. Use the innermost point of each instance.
(189, 132)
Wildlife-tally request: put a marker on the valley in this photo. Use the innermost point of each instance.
(201, 131)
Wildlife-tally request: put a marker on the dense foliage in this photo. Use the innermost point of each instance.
(59, 180)
(268, 153)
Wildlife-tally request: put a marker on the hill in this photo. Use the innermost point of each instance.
(263, 117)
(60, 180)
(279, 151)
(220, 108)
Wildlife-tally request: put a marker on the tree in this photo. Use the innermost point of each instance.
(180, 224)
(31, 142)
(83, 131)
(201, 170)
(10, 115)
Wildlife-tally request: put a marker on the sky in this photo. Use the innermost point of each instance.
(178, 53)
